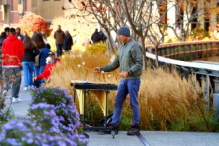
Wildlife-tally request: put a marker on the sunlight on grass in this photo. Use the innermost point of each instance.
(166, 101)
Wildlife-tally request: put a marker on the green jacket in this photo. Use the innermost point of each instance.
(129, 58)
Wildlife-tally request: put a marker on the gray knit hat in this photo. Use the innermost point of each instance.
(124, 30)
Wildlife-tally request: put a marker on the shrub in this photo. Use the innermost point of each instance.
(32, 22)
(165, 100)
(41, 128)
(63, 106)
(198, 33)
(4, 118)
(96, 48)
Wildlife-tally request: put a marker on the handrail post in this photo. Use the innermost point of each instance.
(183, 47)
(177, 55)
(165, 51)
(190, 58)
(160, 51)
(206, 47)
(169, 52)
(173, 50)
(207, 90)
(211, 45)
(218, 49)
(201, 47)
(195, 53)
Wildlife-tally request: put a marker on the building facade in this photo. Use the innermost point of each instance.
(11, 11)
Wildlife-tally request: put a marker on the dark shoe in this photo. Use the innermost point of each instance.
(115, 127)
(135, 130)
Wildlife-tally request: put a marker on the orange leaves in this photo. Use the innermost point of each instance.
(32, 22)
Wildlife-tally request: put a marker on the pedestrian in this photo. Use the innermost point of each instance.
(39, 44)
(42, 57)
(102, 36)
(18, 34)
(34, 33)
(2, 38)
(25, 34)
(96, 36)
(59, 37)
(52, 60)
(130, 61)
(7, 31)
(13, 52)
(28, 62)
(68, 42)
(44, 37)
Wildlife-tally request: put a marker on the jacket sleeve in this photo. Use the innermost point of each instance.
(45, 73)
(36, 51)
(63, 35)
(114, 65)
(137, 56)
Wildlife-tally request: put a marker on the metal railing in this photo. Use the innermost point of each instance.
(203, 71)
(186, 50)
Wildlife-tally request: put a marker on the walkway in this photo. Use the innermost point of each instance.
(153, 138)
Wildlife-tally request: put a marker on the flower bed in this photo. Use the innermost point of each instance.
(52, 120)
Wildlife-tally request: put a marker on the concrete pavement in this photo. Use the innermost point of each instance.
(156, 138)
(153, 138)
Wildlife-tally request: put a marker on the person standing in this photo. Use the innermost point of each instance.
(39, 44)
(59, 37)
(96, 36)
(44, 37)
(130, 61)
(25, 34)
(2, 38)
(7, 31)
(18, 34)
(28, 62)
(13, 52)
(102, 36)
(68, 42)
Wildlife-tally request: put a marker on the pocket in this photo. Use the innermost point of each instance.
(136, 83)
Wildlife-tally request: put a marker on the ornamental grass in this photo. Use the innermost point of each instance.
(166, 101)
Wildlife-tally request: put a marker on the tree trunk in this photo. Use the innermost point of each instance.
(144, 52)
(157, 62)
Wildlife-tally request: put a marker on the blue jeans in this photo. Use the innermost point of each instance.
(36, 70)
(59, 49)
(28, 68)
(42, 69)
(131, 87)
(12, 76)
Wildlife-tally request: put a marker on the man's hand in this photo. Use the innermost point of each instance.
(96, 69)
(34, 79)
(124, 74)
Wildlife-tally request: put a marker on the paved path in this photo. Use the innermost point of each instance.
(153, 138)
(22, 107)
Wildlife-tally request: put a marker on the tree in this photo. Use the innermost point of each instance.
(146, 17)
(190, 14)
(112, 14)
(32, 22)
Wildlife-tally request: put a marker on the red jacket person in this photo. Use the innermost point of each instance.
(13, 52)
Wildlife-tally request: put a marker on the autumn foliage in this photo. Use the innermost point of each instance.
(32, 22)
